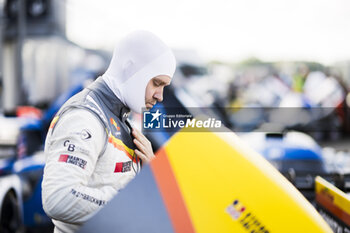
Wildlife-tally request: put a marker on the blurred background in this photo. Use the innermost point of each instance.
(275, 72)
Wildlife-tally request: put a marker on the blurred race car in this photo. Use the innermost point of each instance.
(288, 152)
(10, 199)
(295, 154)
(18, 187)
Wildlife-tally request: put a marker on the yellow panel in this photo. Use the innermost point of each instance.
(339, 198)
(215, 169)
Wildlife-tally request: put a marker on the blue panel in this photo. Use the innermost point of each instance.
(295, 153)
(137, 208)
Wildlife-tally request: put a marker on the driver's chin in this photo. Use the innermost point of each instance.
(149, 106)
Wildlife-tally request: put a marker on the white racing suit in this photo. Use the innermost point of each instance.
(89, 156)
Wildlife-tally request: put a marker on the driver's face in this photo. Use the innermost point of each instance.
(154, 90)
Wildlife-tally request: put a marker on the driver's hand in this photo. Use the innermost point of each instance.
(144, 146)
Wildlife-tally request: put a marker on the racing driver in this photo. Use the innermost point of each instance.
(91, 150)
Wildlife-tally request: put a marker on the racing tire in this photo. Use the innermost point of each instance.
(10, 218)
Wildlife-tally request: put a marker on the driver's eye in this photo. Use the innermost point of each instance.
(156, 83)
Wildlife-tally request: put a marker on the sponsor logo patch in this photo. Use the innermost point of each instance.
(235, 209)
(122, 167)
(88, 197)
(71, 147)
(247, 219)
(85, 134)
(72, 160)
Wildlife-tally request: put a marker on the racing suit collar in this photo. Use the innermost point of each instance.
(100, 88)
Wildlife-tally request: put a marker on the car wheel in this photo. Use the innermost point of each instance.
(10, 220)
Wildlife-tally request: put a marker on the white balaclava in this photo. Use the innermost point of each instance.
(138, 58)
